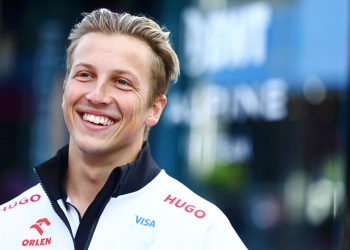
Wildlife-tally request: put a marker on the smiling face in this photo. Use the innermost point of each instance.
(106, 102)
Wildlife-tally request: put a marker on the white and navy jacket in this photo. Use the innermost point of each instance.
(140, 207)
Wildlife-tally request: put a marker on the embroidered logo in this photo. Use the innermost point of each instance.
(38, 227)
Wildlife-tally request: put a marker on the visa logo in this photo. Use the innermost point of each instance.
(145, 222)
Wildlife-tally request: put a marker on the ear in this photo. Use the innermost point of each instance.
(156, 110)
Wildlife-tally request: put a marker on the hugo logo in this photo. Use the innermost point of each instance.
(23, 201)
(39, 223)
(187, 207)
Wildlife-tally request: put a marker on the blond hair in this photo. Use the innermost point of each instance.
(166, 64)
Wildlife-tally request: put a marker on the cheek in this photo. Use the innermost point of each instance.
(135, 105)
(65, 109)
(71, 95)
(65, 102)
(69, 98)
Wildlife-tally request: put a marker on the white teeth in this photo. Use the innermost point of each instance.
(97, 120)
(105, 121)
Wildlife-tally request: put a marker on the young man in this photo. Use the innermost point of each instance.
(103, 190)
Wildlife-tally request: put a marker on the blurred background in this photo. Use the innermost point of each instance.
(257, 123)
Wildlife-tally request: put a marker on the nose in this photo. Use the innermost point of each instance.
(99, 94)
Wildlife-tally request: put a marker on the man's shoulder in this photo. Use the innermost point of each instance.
(26, 199)
(203, 215)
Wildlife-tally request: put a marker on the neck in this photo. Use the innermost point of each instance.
(87, 173)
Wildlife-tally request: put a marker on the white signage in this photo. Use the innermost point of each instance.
(265, 100)
(225, 39)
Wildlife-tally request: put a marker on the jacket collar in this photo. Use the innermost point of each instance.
(126, 179)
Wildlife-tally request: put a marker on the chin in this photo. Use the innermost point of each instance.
(90, 146)
(92, 150)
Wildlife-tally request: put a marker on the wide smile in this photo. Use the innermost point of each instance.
(98, 120)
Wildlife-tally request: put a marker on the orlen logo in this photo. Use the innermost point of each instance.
(38, 226)
(187, 207)
(25, 200)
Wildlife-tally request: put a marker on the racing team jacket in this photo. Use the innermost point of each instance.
(140, 207)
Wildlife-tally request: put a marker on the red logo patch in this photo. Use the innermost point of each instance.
(39, 223)
(38, 226)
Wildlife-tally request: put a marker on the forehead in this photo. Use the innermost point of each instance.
(114, 52)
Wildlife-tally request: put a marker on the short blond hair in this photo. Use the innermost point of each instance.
(166, 64)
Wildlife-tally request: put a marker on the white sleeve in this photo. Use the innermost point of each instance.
(222, 236)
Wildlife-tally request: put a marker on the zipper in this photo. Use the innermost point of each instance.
(94, 225)
(58, 210)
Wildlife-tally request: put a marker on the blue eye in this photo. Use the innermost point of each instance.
(84, 75)
(122, 82)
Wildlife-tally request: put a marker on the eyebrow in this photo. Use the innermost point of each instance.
(83, 65)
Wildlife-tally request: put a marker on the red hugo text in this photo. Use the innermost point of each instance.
(187, 207)
(36, 242)
(25, 200)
